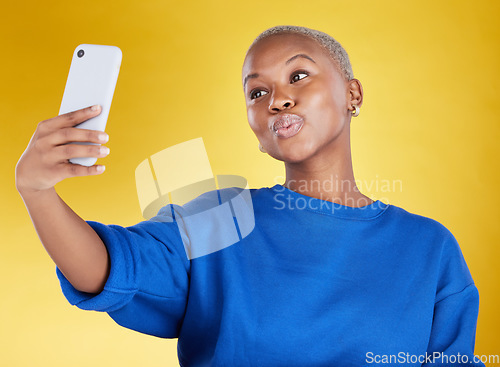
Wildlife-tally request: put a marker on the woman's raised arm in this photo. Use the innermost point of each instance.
(72, 244)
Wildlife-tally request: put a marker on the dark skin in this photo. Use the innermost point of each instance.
(293, 74)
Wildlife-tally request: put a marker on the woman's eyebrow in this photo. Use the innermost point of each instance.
(299, 55)
(255, 75)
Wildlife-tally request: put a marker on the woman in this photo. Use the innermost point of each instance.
(327, 277)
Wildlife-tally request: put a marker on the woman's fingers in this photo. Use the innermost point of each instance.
(63, 153)
(73, 134)
(73, 170)
(74, 118)
(61, 171)
(46, 159)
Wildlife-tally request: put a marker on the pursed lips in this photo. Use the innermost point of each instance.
(286, 125)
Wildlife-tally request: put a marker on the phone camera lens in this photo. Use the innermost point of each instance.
(81, 53)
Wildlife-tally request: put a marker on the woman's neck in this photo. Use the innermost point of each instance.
(327, 177)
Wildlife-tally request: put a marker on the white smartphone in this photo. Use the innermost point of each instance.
(91, 80)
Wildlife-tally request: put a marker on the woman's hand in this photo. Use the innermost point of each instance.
(45, 161)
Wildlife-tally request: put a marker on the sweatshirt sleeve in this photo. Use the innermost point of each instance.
(456, 310)
(147, 287)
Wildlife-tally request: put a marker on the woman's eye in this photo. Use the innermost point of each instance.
(257, 93)
(297, 77)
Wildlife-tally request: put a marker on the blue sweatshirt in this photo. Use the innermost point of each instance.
(313, 284)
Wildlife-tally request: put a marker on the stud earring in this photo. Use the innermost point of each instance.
(261, 148)
(355, 112)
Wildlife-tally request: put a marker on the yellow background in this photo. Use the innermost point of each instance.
(430, 72)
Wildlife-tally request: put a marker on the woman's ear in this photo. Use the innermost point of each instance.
(355, 93)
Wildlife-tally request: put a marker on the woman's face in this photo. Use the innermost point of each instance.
(297, 101)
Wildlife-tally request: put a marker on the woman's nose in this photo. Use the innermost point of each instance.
(280, 100)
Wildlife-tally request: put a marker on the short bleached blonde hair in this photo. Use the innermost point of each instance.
(332, 46)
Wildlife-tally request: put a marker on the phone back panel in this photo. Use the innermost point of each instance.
(92, 79)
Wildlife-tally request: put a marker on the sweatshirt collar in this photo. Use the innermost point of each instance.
(288, 199)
